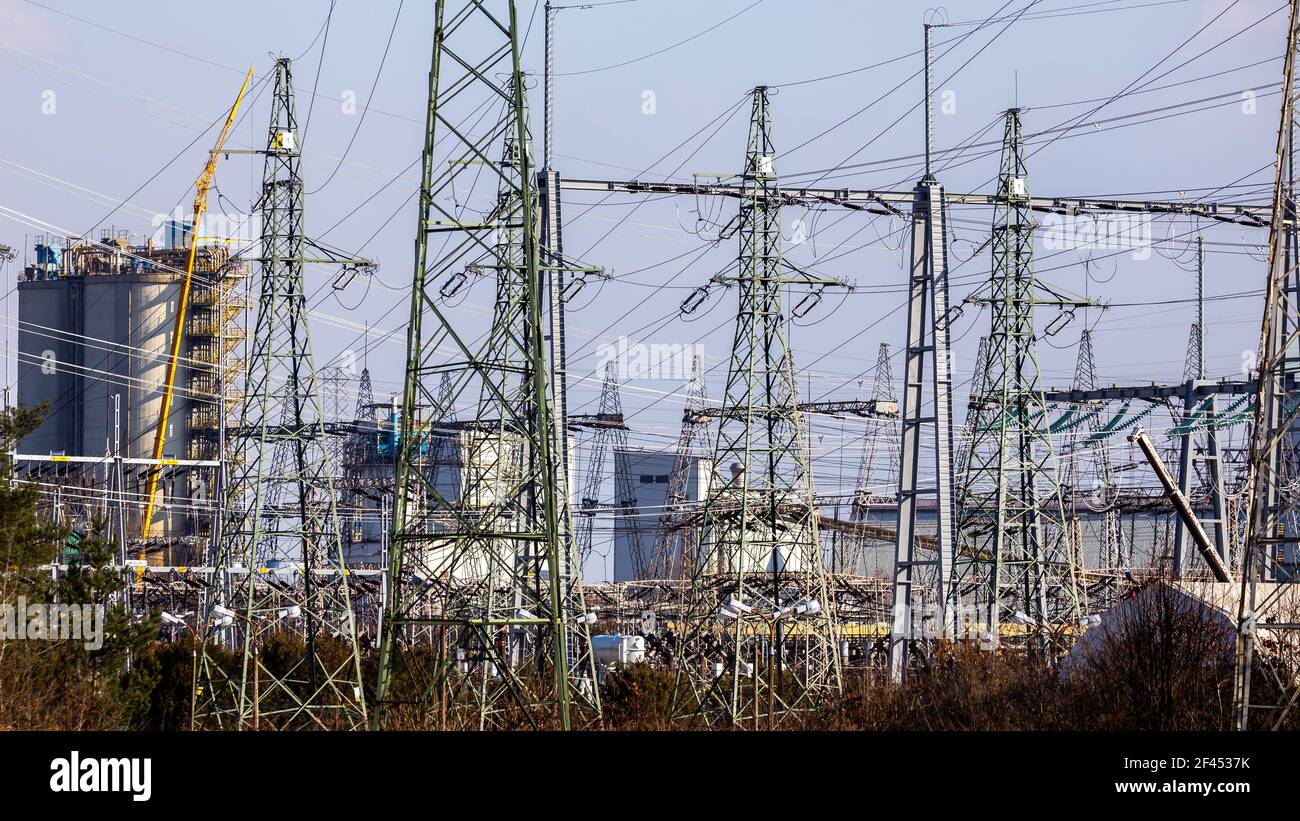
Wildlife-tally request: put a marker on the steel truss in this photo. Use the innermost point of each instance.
(1015, 561)
(758, 634)
(480, 562)
(280, 516)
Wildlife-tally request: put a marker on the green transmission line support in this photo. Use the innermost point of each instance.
(484, 623)
(759, 639)
(1015, 560)
(279, 565)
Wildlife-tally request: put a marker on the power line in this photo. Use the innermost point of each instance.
(663, 50)
(369, 97)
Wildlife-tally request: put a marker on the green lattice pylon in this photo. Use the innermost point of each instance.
(279, 565)
(758, 634)
(484, 623)
(1015, 562)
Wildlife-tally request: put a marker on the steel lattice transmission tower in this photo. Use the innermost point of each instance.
(877, 486)
(358, 454)
(279, 559)
(609, 438)
(1266, 689)
(361, 442)
(758, 638)
(1090, 476)
(678, 535)
(481, 565)
(1014, 556)
(979, 384)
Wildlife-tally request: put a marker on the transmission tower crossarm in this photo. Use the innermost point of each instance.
(865, 408)
(201, 187)
(1151, 393)
(861, 199)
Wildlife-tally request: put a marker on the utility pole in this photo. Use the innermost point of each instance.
(488, 562)
(759, 551)
(559, 289)
(552, 256)
(279, 564)
(1014, 552)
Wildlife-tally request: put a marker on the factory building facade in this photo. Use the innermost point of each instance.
(638, 534)
(95, 330)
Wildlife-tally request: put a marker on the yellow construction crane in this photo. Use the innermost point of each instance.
(201, 187)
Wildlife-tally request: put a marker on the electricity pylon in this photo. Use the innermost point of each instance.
(482, 564)
(334, 397)
(609, 438)
(1266, 689)
(677, 538)
(877, 484)
(979, 384)
(1090, 476)
(1014, 555)
(874, 484)
(279, 565)
(359, 458)
(443, 451)
(758, 638)
(361, 442)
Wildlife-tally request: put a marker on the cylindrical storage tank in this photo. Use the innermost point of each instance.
(130, 318)
(47, 351)
(618, 649)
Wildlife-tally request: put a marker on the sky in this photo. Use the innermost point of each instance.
(103, 99)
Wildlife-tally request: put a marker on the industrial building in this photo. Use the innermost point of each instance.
(95, 329)
(649, 473)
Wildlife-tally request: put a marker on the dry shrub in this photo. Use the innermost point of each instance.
(1161, 661)
(638, 697)
(962, 689)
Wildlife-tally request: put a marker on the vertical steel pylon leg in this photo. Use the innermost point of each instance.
(1269, 593)
(921, 582)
